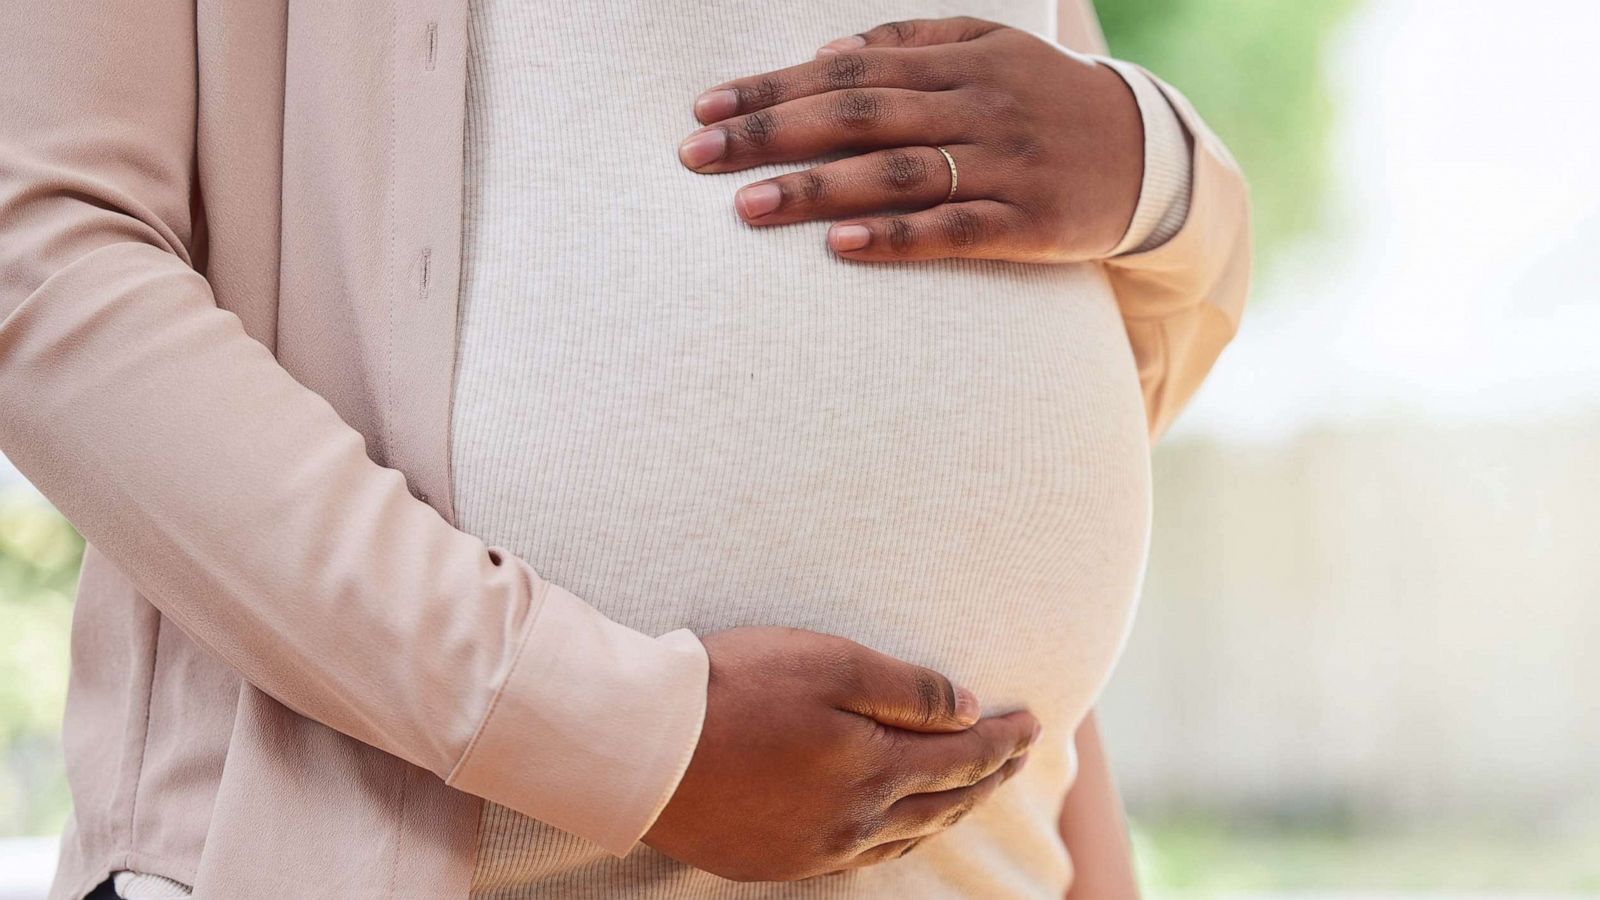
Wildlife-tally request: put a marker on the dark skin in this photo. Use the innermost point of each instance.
(1048, 145)
(817, 754)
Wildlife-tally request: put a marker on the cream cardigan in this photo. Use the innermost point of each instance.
(229, 255)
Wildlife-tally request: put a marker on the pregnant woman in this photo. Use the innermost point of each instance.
(611, 450)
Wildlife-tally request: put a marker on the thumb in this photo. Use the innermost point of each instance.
(902, 695)
(913, 33)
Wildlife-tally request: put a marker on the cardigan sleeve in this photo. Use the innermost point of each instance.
(1182, 299)
(241, 505)
(1165, 189)
(1182, 273)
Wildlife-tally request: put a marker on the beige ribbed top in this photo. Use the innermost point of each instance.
(690, 422)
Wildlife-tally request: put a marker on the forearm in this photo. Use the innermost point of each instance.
(1093, 828)
(241, 505)
(244, 509)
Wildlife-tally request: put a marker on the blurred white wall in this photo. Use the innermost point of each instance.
(1375, 578)
(1392, 619)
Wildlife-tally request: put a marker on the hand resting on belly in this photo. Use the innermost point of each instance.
(819, 754)
(978, 141)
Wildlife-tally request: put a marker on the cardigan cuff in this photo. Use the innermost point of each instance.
(1164, 192)
(594, 726)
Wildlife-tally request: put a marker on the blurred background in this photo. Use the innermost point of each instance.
(1362, 665)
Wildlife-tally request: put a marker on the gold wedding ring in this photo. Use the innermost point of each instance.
(954, 178)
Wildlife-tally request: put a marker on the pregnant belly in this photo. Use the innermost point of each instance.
(692, 423)
(945, 462)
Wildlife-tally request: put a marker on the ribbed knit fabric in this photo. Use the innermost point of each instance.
(687, 421)
(145, 886)
(1164, 195)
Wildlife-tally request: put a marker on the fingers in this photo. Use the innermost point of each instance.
(960, 771)
(914, 819)
(808, 127)
(913, 33)
(918, 70)
(897, 54)
(920, 815)
(976, 229)
(884, 852)
(905, 178)
(945, 762)
(902, 695)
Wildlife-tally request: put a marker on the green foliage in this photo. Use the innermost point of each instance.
(1207, 856)
(39, 556)
(1256, 70)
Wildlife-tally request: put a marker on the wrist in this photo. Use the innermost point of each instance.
(593, 726)
(1119, 142)
(1164, 184)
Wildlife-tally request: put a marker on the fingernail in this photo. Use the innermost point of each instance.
(966, 706)
(1038, 728)
(714, 105)
(703, 148)
(853, 42)
(1016, 766)
(756, 200)
(848, 237)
